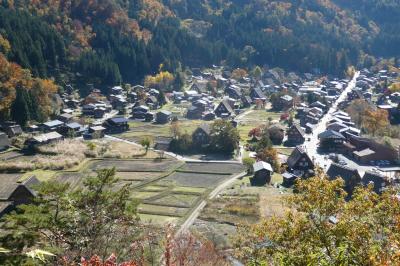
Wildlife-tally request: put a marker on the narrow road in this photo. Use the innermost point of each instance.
(174, 155)
(311, 145)
(196, 212)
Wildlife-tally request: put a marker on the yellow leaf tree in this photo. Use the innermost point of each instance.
(322, 227)
(375, 120)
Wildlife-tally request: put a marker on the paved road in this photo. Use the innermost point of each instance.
(311, 144)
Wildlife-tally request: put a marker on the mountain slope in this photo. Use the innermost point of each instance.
(104, 42)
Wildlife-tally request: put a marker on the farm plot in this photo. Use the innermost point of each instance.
(177, 200)
(75, 179)
(162, 210)
(158, 219)
(136, 165)
(138, 176)
(4, 156)
(217, 168)
(131, 183)
(204, 180)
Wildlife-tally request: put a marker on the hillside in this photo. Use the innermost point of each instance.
(106, 42)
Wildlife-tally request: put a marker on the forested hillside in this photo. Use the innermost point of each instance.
(105, 42)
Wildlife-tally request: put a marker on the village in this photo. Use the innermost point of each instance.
(310, 120)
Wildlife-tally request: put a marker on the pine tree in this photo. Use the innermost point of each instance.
(19, 108)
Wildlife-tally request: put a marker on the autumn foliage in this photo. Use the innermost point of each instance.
(322, 227)
(12, 76)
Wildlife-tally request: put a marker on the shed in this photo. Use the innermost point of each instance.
(262, 173)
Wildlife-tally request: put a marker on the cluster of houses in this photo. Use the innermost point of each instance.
(8, 130)
(300, 165)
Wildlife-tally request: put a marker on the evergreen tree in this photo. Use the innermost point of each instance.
(19, 108)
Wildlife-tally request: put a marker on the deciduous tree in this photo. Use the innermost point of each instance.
(321, 227)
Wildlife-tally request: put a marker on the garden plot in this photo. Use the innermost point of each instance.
(234, 209)
(218, 233)
(136, 165)
(75, 179)
(131, 183)
(162, 210)
(176, 200)
(138, 176)
(4, 156)
(143, 195)
(154, 188)
(158, 219)
(204, 180)
(217, 168)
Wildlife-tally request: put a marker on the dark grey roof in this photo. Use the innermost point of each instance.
(227, 106)
(119, 120)
(330, 134)
(299, 129)
(295, 156)
(346, 173)
(259, 93)
(379, 181)
(164, 112)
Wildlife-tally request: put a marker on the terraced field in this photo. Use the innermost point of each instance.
(168, 190)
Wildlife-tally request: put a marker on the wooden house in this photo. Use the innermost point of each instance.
(163, 117)
(194, 112)
(116, 125)
(43, 139)
(13, 130)
(139, 112)
(350, 176)
(224, 109)
(201, 136)
(152, 102)
(72, 130)
(299, 163)
(88, 109)
(95, 132)
(285, 102)
(378, 181)
(295, 134)
(233, 92)
(262, 174)
(53, 125)
(66, 117)
(331, 140)
(14, 193)
(257, 94)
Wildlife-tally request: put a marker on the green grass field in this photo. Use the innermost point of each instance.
(140, 130)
